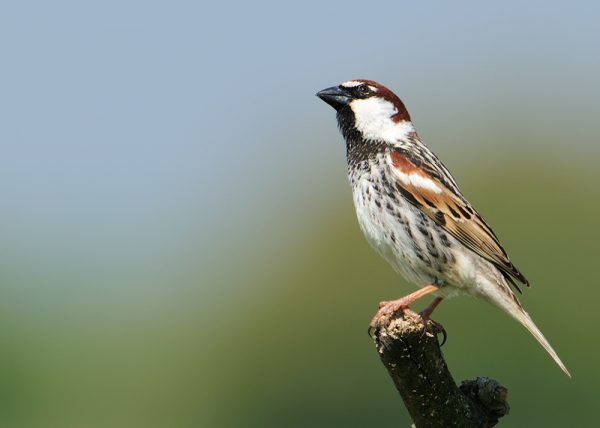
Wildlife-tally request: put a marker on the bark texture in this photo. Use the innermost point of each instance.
(416, 365)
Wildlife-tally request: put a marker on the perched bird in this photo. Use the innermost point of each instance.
(412, 212)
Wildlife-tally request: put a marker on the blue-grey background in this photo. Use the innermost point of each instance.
(179, 245)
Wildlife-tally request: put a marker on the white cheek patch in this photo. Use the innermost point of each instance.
(373, 118)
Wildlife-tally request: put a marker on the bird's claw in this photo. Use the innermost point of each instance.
(437, 328)
(372, 332)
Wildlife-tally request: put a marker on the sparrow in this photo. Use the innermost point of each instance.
(413, 213)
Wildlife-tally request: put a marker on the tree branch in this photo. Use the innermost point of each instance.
(415, 363)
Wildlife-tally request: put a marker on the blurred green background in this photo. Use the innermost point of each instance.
(179, 246)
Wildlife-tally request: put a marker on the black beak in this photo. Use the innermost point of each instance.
(336, 96)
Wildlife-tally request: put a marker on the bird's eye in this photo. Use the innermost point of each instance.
(363, 90)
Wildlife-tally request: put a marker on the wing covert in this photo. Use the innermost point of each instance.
(428, 191)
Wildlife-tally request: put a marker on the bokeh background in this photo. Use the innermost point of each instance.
(179, 247)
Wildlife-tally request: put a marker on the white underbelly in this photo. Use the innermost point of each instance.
(397, 234)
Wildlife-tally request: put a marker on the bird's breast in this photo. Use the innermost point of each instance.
(407, 239)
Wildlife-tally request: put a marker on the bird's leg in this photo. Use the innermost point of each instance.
(426, 314)
(387, 309)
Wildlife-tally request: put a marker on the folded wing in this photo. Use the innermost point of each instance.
(432, 190)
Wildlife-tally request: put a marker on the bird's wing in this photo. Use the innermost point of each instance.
(430, 187)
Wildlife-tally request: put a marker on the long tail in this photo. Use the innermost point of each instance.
(524, 318)
(511, 306)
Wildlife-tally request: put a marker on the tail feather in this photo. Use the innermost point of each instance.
(523, 317)
(501, 296)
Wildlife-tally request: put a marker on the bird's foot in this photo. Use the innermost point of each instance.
(436, 329)
(388, 309)
(426, 317)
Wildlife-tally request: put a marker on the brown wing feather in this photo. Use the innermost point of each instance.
(452, 212)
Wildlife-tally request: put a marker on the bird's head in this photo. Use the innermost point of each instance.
(370, 108)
